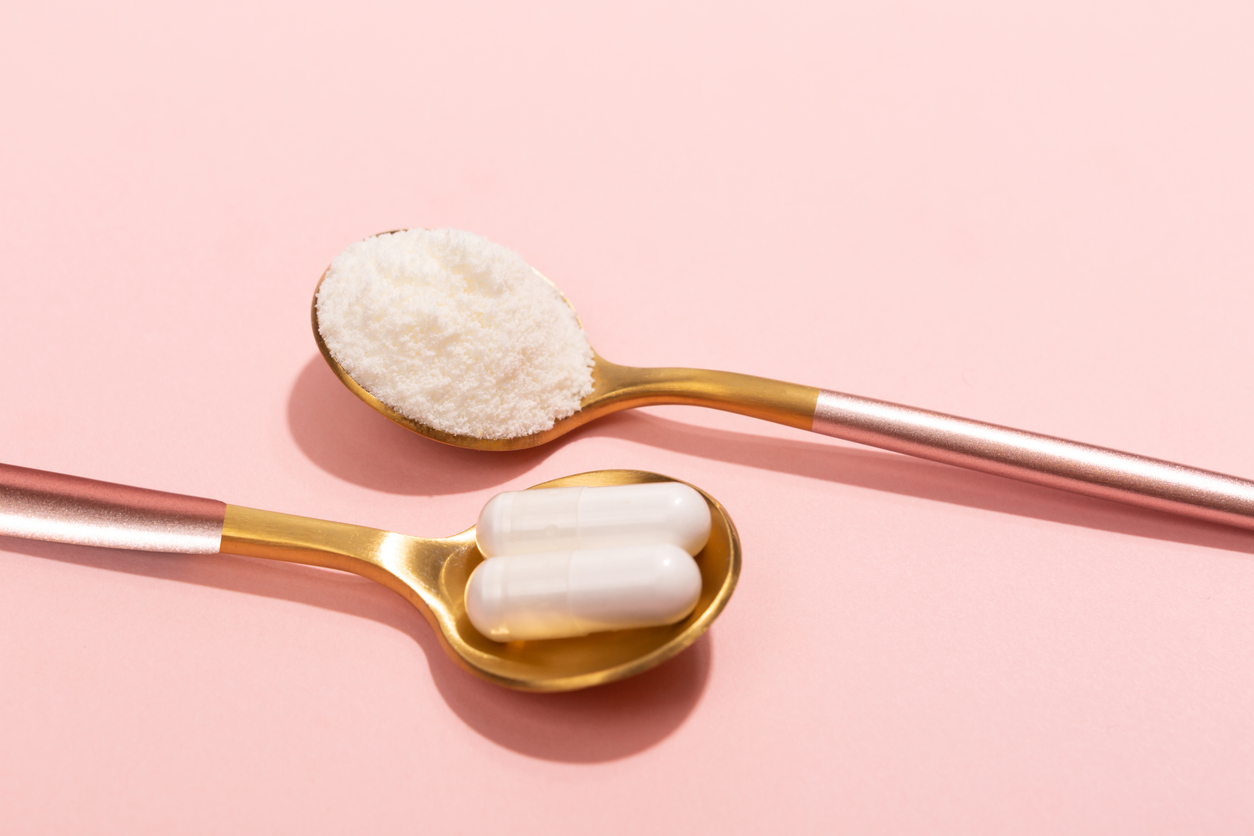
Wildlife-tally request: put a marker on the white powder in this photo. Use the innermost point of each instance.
(454, 332)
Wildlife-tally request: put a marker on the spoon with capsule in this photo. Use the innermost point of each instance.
(432, 574)
(976, 445)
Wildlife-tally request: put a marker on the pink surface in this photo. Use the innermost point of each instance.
(1034, 216)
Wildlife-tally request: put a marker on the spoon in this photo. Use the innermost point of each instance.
(429, 573)
(1028, 457)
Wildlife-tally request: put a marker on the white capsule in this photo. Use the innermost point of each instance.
(559, 519)
(555, 595)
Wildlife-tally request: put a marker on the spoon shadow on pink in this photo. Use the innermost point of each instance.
(346, 438)
(350, 440)
(883, 471)
(593, 725)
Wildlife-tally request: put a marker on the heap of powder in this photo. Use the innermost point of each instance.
(454, 332)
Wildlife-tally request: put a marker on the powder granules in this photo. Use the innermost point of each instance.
(454, 332)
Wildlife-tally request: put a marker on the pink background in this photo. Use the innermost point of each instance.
(1035, 214)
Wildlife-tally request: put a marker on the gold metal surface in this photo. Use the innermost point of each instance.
(616, 387)
(41, 505)
(432, 575)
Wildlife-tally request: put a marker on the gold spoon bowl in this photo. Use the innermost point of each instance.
(429, 573)
(615, 388)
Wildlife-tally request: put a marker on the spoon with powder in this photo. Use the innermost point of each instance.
(458, 339)
(432, 574)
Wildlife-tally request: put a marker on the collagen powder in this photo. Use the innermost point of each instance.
(454, 332)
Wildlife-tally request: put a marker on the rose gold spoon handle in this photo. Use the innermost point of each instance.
(976, 445)
(39, 505)
(1041, 459)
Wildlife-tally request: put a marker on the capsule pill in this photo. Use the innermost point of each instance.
(561, 519)
(552, 595)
